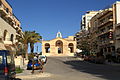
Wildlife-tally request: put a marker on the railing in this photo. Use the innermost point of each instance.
(105, 22)
(3, 8)
(104, 12)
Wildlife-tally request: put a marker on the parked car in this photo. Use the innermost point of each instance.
(100, 60)
(86, 58)
(7, 65)
(43, 58)
(36, 64)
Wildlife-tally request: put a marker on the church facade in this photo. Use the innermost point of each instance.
(59, 46)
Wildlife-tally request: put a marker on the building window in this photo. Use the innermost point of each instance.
(113, 48)
(5, 34)
(12, 37)
(71, 47)
(47, 48)
(7, 10)
(105, 49)
(109, 49)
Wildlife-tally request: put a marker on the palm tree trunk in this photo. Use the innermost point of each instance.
(32, 47)
(26, 51)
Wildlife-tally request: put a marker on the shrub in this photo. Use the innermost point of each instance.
(18, 70)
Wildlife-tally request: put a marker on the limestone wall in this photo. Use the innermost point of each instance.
(5, 26)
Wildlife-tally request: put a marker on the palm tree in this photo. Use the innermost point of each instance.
(29, 37)
(35, 37)
(25, 40)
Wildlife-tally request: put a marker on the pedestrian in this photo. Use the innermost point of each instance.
(41, 65)
(33, 62)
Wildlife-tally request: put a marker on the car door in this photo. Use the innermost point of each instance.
(1, 66)
(10, 64)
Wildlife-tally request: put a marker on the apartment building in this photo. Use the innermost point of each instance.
(9, 27)
(117, 38)
(78, 36)
(85, 25)
(86, 19)
(93, 34)
(104, 30)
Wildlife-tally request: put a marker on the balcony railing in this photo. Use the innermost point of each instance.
(10, 17)
(3, 10)
(105, 32)
(104, 12)
(118, 36)
(104, 23)
(8, 41)
(105, 42)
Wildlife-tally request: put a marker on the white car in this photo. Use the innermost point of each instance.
(43, 58)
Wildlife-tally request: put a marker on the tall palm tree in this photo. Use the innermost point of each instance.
(25, 39)
(35, 37)
(29, 37)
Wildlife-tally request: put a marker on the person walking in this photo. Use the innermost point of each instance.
(33, 62)
(41, 65)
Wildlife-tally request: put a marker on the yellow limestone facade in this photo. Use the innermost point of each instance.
(59, 46)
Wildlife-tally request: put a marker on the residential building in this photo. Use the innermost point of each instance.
(93, 34)
(117, 38)
(103, 30)
(86, 19)
(9, 27)
(83, 34)
(78, 37)
(59, 46)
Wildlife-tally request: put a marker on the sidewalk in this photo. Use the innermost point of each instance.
(27, 75)
(107, 63)
(112, 63)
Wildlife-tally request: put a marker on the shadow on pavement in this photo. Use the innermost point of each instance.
(17, 79)
(109, 72)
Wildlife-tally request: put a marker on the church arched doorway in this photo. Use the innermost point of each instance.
(47, 48)
(71, 47)
(59, 45)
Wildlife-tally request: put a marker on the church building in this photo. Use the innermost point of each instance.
(59, 46)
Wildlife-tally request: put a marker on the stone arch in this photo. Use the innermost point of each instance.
(47, 48)
(5, 35)
(59, 45)
(12, 37)
(71, 47)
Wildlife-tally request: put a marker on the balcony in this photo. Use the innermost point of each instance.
(118, 25)
(105, 32)
(3, 10)
(106, 42)
(118, 37)
(104, 12)
(106, 22)
(16, 27)
(8, 41)
(10, 17)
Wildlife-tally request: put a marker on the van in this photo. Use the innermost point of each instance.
(7, 65)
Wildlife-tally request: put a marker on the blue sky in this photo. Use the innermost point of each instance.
(48, 16)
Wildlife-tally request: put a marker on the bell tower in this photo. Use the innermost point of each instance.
(59, 35)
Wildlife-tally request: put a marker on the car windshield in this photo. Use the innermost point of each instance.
(42, 56)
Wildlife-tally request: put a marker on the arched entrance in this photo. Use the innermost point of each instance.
(71, 47)
(47, 48)
(59, 45)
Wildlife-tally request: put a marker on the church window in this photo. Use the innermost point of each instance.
(47, 48)
(71, 47)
